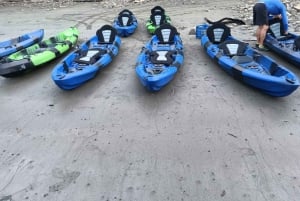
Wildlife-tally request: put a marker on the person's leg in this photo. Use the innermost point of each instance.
(261, 35)
(261, 20)
(257, 34)
(255, 22)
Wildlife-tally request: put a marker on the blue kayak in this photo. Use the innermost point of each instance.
(13, 45)
(160, 58)
(126, 23)
(242, 62)
(285, 45)
(84, 63)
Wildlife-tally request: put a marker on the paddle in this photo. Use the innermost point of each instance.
(226, 20)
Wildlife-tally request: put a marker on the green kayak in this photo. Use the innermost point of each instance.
(157, 18)
(38, 54)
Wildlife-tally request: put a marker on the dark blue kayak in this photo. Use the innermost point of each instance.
(242, 62)
(285, 45)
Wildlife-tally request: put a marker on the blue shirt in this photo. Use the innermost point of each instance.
(276, 7)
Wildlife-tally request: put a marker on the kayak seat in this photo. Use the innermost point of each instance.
(233, 48)
(106, 34)
(125, 19)
(277, 31)
(158, 18)
(53, 41)
(276, 28)
(236, 50)
(90, 57)
(242, 59)
(157, 8)
(32, 49)
(166, 34)
(218, 33)
(162, 57)
(43, 44)
(126, 11)
(57, 39)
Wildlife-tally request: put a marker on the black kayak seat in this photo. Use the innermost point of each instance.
(158, 18)
(90, 56)
(106, 34)
(162, 57)
(218, 33)
(157, 8)
(277, 31)
(233, 48)
(125, 19)
(276, 28)
(236, 50)
(126, 11)
(242, 59)
(166, 33)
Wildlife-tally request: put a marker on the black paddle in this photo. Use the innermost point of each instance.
(226, 20)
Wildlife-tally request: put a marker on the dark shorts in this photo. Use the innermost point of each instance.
(260, 14)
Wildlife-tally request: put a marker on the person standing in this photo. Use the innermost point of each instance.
(264, 10)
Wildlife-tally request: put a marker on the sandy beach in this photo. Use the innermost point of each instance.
(204, 137)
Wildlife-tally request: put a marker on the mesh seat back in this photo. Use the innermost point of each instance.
(106, 34)
(125, 19)
(276, 28)
(217, 33)
(158, 18)
(166, 33)
(126, 11)
(157, 8)
(233, 48)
